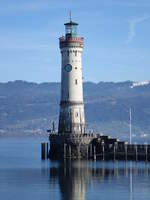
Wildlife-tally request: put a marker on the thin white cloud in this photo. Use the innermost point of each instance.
(132, 27)
(127, 3)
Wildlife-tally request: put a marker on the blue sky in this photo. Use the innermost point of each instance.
(116, 32)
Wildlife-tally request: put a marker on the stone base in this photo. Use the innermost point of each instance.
(71, 151)
(70, 146)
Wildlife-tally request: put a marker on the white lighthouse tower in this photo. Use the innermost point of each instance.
(71, 118)
(71, 140)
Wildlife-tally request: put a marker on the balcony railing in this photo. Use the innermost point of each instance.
(71, 39)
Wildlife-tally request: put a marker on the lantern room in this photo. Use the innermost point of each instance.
(71, 29)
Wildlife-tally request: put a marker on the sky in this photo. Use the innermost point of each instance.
(116, 34)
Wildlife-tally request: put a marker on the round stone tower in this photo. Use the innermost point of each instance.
(71, 118)
(71, 140)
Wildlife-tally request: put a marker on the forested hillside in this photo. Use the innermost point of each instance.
(29, 108)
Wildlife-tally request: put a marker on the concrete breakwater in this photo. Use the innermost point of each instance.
(93, 146)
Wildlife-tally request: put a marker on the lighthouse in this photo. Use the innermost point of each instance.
(71, 140)
(71, 117)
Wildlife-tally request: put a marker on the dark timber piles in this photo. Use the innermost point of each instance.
(95, 146)
(44, 150)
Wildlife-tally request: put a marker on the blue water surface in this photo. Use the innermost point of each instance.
(23, 176)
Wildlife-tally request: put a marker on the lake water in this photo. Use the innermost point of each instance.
(23, 176)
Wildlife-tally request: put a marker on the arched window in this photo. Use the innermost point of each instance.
(76, 81)
(76, 114)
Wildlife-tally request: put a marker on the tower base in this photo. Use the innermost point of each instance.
(72, 146)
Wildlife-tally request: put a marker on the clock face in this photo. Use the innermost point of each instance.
(68, 68)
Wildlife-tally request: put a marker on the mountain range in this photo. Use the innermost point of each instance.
(30, 108)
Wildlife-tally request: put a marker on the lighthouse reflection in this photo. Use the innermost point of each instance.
(77, 178)
(72, 178)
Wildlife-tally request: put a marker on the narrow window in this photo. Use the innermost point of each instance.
(76, 81)
(68, 53)
(76, 114)
(75, 53)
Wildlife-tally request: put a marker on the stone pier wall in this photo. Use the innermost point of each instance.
(95, 146)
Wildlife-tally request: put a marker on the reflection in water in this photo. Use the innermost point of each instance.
(76, 177)
(23, 176)
(72, 179)
(131, 182)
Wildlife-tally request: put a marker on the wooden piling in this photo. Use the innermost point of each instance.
(43, 153)
(136, 153)
(47, 149)
(146, 153)
(94, 153)
(114, 152)
(126, 152)
(70, 151)
(64, 150)
(87, 152)
(78, 151)
(103, 149)
(90, 150)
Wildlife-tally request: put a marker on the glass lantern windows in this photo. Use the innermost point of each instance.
(71, 30)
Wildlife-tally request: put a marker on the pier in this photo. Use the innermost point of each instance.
(95, 147)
